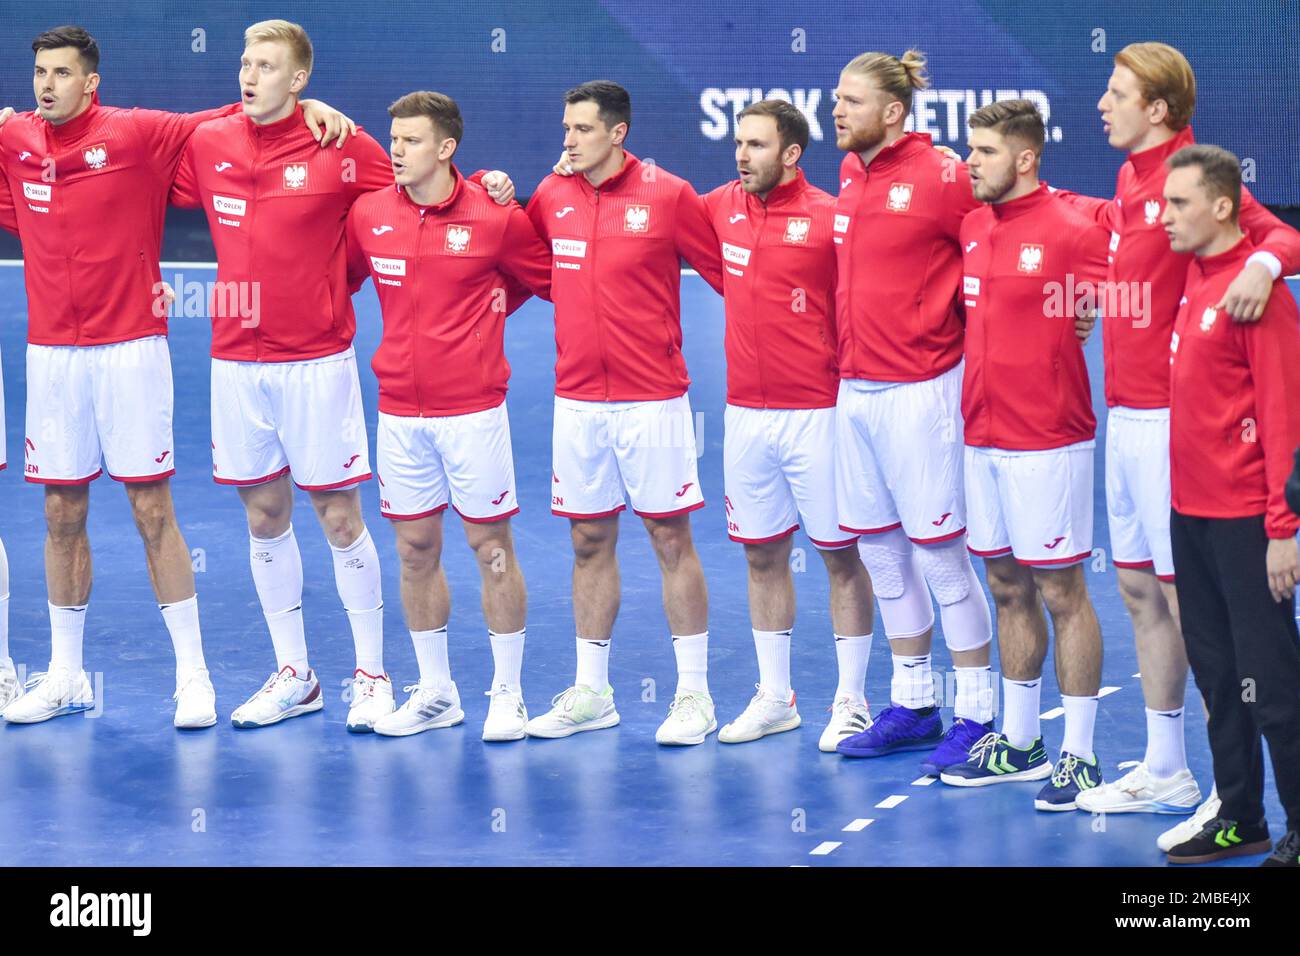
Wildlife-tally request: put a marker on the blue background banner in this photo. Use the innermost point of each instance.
(690, 66)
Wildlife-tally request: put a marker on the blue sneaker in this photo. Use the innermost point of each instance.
(1070, 776)
(956, 745)
(896, 729)
(994, 760)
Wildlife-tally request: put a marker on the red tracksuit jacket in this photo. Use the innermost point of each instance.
(779, 287)
(89, 198)
(442, 274)
(1134, 351)
(277, 205)
(1026, 382)
(617, 278)
(896, 228)
(1234, 418)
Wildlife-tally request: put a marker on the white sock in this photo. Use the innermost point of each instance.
(356, 575)
(692, 653)
(1166, 747)
(1080, 715)
(852, 654)
(182, 620)
(773, 648)
(431, 655)
(4, 603)
(912, 685)
(67, 628)
(974, 693)
(277, 575)
(593, 664)
(1020, 700)
(507, 658)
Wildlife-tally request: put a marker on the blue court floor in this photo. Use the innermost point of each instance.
(123, 787)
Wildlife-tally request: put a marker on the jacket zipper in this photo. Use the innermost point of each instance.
(753, 274)
(415, 315)
(252, 235)
(595, 301)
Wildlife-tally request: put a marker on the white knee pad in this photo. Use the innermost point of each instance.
(898, 583)
(967, 623)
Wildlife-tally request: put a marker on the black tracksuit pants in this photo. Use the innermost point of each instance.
(1245, 655)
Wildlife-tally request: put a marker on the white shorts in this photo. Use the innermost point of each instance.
(289, 418)
(898, 458)
(109, 402)
(1137, 489)
(601, 448)
(466, 459)
(779, 464)
(1035, 505)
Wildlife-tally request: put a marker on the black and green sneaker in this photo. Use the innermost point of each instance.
(1221, 839)
(993, 760)
(1070, 777)
(1287, 851)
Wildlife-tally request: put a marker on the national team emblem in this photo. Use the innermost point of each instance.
(900, 197)
(1207, 319)
(796, 230)
(96, 156)
(1031, 258)
(458, 239)
(295, 175)
(1151, 211)
(636, 219)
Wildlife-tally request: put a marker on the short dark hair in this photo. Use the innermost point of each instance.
(441, 109)
(72, 36)
(1014, 119)
(613, 103)
(791, 125)
(1220, 171)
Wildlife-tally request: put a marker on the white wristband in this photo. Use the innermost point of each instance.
(1268, 261)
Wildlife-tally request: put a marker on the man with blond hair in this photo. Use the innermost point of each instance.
(898, 416)
(1147, 110)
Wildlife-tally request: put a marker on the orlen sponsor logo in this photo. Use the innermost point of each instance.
(573, 248)
(38, 192)
(943, 113)
(389, 267)
(233, 207)
(737, 254)
(970, 285)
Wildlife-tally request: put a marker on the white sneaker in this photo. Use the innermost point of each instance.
(766, 714)
(372, 698)
(284, 695)
(1138, 791)
(428, 708)
(196, 701)
(507, 716)
(690, 719)
(578, 708)
(11, 688)
(1193, 825)
(51, 694)
(848, 717)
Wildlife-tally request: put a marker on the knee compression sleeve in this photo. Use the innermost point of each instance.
(967, 624)
(898, 583)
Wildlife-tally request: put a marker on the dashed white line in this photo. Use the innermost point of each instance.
(822, 849)
(1106, 690)
(890, 802)
(924, 781)
(857, 825)
(1138, 674)
(1051, 714)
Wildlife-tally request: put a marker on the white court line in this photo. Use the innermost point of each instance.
(924, 781)
(1106, 690)
(1051, 714)
(1139, 674)
(857, 825)
(822, 849)
(890, 802)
